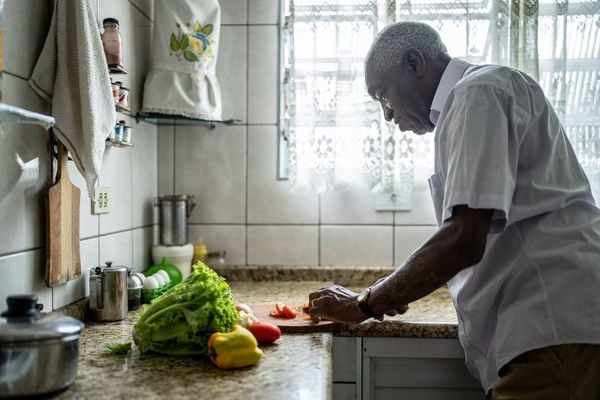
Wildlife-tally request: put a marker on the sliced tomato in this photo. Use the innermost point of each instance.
(279, 309)
(288, 312)
(274, 314)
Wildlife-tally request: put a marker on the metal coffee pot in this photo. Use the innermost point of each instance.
(108, 292)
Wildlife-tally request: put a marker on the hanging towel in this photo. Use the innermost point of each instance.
(182, 79)
(72, 74)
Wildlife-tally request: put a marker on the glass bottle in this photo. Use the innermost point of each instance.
(112, 42)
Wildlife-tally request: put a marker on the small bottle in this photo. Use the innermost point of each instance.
(112, 42)
(126, 134)
(200, 252)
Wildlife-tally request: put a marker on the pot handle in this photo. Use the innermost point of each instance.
(190, 207)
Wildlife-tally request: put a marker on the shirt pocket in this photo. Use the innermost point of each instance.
(436, 188)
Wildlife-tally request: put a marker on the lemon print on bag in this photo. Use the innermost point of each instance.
(191, 42)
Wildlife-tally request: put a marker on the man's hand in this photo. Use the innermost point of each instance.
(335, 303)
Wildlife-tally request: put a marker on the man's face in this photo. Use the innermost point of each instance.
(401, 99)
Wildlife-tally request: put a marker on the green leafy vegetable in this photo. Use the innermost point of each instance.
(181, 320)
(119, 348)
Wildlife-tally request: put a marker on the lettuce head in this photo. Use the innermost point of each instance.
(180, 321)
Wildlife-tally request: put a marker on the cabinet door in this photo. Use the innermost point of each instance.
(415, 369)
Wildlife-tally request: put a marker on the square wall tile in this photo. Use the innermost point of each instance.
(142, 248)
(352, 206)
(141, 51)
(409, 238)
(78, 289)
(117, 248)
(283, 245)
(264, 11)
(117, 175)
(263, 74)
(88, 222)
(422, 212)
(25, 273)
(25, 27)
(146, 7)
(233, 12)
(232, 71)
(166, 159)
(357, 245)
(269, 200)
(231, 238)
(210, 164)
(145, 175)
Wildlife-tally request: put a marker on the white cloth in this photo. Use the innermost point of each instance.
(499, 145)
(182, 79)
(10, 113)
(72, 74)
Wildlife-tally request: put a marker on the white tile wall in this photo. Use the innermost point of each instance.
(283, 245)
(24, 273)
(131, 173)
(210, 165)
(233, 11)
(271, 201)
(263, 11)
(408, 238)
(352, 206)
(356, 245)
(166, 159)
(231, 238)
(232, 71)
(22, 42)
(263, 74)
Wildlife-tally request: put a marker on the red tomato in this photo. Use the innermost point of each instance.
(279, 308)
(274, 314)
(265, 332)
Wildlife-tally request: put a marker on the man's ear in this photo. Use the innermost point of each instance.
(415, 61)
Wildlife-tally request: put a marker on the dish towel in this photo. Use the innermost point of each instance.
(182, 79)
(72, 74)
(10, 113)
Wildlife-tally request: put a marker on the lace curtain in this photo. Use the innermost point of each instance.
(337, 136)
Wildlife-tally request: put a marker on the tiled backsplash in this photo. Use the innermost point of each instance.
(230, 170)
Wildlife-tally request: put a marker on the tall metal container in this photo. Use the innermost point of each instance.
(173, 218)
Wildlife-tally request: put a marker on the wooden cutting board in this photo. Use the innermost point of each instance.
(300, 324)
(62, 230)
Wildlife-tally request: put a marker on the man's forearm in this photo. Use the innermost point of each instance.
(458, 244)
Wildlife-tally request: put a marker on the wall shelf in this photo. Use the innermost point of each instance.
(163, 119)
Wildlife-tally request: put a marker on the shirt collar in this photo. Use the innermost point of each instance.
(452, 74)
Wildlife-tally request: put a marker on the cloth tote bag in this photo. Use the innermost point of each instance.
(182, 79)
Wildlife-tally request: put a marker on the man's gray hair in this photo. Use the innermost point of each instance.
(391, 43)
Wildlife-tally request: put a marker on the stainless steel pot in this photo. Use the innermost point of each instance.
(108, 292)
(38, 351)
(173, 218)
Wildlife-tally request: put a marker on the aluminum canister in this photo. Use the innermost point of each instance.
(108, 292)
(173, 218)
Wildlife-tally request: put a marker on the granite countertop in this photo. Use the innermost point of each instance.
(297, 366)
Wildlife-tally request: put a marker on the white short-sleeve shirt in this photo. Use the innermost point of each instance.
(499, 145)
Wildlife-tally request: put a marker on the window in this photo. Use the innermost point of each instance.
(333, 134)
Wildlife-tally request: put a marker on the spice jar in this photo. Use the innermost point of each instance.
(112, 42)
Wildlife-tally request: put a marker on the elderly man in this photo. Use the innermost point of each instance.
(519, 233)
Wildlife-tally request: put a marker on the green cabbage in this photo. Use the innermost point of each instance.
(180, 321)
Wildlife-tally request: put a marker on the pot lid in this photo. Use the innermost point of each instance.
(23, 322)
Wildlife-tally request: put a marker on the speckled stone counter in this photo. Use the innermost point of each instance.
(297, 366)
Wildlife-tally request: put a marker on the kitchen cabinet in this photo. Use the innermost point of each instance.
(381, 368)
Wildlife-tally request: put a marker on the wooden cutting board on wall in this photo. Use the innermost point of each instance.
(62, 226)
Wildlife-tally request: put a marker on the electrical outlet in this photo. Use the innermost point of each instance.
(102, 201)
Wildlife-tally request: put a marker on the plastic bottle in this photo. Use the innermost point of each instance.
(200, 252)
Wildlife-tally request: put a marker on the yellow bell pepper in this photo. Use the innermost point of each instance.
(235, 349)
